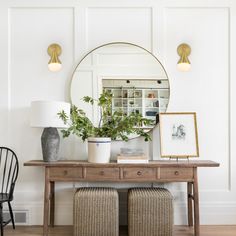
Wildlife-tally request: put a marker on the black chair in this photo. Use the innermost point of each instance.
(9, 168)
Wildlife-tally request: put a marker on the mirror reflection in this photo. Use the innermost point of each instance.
(135, 77)
(145, 97)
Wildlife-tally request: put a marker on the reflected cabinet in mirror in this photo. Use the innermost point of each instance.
(135, 77)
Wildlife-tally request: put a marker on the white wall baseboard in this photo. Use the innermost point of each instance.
(213, 213)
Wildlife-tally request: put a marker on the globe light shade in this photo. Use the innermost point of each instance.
(184, 67)
(54, 67)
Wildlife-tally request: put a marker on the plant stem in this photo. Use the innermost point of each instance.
(100, 120)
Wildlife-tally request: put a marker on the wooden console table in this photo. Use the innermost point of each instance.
(154, 171)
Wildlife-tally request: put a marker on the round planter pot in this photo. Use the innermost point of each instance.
(99, 150)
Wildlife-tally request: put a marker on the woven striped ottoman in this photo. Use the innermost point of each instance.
(150, 212)
(96, 212)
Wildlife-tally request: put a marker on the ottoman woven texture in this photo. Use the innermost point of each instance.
(150, 212)
(96, 212)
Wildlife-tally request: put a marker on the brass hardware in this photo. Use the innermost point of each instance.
(184, 51)
(54, 51)
(139, 173)
(176, 172)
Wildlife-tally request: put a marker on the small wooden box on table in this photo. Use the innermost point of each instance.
(154, 171)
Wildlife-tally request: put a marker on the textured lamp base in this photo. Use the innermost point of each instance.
(50, 141)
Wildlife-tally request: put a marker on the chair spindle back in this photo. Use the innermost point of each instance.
(9, 168)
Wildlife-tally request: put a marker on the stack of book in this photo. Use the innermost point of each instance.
(131, 156)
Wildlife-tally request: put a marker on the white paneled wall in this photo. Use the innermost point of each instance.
(27, 28)
(121, 19)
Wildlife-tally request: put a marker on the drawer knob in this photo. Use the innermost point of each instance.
(65, 172)
(176, 172)
(139, 173)
(102, 172)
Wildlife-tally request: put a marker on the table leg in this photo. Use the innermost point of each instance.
(196, 204)
(46, 202)
(52, 203)
(190, 203)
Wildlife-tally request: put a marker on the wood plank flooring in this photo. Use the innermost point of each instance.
(212, 230)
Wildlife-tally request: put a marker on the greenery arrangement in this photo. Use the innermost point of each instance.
(116, 125)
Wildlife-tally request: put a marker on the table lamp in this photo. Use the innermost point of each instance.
(44, 114)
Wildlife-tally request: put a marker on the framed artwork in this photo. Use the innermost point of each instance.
(178, 135)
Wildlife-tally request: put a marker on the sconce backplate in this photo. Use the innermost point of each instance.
(54, 48)
(184, 48)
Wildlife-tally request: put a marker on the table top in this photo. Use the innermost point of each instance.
(157, 163)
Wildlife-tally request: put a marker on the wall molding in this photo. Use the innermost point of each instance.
(229, 104)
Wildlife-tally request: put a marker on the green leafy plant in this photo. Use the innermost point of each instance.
(116, 125)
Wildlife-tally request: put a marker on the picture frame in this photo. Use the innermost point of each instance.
(178, 135)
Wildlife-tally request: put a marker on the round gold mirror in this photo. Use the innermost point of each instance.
(135, 77)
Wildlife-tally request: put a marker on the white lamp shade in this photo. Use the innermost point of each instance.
(45, 113)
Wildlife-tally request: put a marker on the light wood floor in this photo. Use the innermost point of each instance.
(67, 231)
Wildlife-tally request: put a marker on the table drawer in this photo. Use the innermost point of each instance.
(100, 173)
(66, 172)
(135, 173)
(176, 173)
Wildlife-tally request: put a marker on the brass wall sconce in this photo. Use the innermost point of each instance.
(54, 51)
(184, 51)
